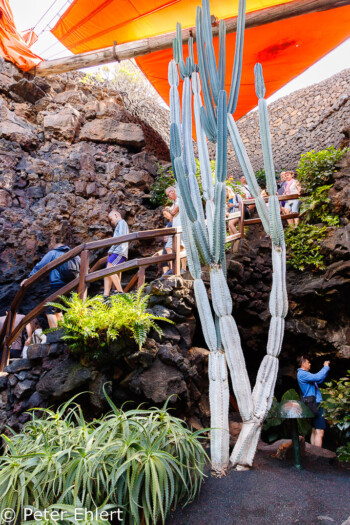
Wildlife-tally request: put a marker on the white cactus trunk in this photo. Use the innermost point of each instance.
(205, 232)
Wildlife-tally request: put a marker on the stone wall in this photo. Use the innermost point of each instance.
(69, 152)
(311, 118)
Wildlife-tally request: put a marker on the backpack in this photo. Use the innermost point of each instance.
(69, 270)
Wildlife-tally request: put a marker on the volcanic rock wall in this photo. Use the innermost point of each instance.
(69, 152)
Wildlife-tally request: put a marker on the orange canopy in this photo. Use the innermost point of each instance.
(284, 48)
(14, 46)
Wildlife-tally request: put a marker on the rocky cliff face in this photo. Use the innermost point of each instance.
(68, 153)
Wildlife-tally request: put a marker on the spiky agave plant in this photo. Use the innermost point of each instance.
(204, 230)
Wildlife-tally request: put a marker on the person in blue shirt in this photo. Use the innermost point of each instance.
(308, 384)
(58, 276)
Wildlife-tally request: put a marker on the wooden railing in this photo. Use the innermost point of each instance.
(87, 275)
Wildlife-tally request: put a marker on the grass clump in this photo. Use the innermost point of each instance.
(143, 462)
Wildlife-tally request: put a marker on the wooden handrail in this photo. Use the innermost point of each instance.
(8, 333)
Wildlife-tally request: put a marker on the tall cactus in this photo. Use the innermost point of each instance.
(204, 230)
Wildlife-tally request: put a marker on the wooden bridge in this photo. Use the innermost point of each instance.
(89, 274)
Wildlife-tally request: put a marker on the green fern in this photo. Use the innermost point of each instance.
(92, 326)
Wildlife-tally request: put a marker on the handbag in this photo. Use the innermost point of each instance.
(310, 402)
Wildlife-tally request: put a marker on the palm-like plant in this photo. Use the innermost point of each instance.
(141, 461)
(91, 326)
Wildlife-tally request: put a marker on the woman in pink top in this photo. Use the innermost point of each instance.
(292, 187)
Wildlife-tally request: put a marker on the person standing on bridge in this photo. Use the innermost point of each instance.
(117, 254)
(292, 187)
(59, 276)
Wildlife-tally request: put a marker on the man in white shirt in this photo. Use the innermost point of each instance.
(118, 253)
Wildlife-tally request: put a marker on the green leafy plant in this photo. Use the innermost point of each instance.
(317, 207)
(143, 462)
(336, 406)
(316, 168)
(303, 246)
(94, 328)
(274, 427)
(164, 179)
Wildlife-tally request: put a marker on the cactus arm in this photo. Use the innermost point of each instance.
(208, 38)
(222, 54)
(208, 101)
(189, 160)
(265, 131)
(193, 262)
(238, 59)
(219, 403)
(219, 227)
(221, 146)
(207, 181)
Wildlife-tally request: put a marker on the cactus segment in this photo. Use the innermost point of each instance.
(209, 212)
(184, 190)
(219, 230)
(276, 227)
(175, 143)
(284, 278)
(246, 444)
(221, 297)
(219, 402)
(208, 101)
(237, 64)
(222, 54)
(193, 262)
(207, 180)
(265, 383)
(197, 202)
(210, 53)
(266, 147)
(275, 337)
(221, 146)
(173, 77)
(189, 160)
(176, 54)
(210, 130)
(205, 314)
(235, 361)
(259, 81)
(217, 328)
(201, 243)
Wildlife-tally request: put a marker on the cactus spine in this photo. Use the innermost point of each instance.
(204, 230)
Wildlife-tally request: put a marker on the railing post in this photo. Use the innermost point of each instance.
(84, 270)
(176, 251)
(6, 349)
(141, 276)
(241, 220)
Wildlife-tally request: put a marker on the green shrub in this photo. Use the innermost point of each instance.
(336, 406)
(93, 327)
(143, 462)
(317, 207)
(316, 168)
(303, 246)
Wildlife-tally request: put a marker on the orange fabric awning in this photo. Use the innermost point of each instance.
(13, 46)
(285, 48)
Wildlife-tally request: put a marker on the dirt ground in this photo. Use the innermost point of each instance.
(273, 493)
